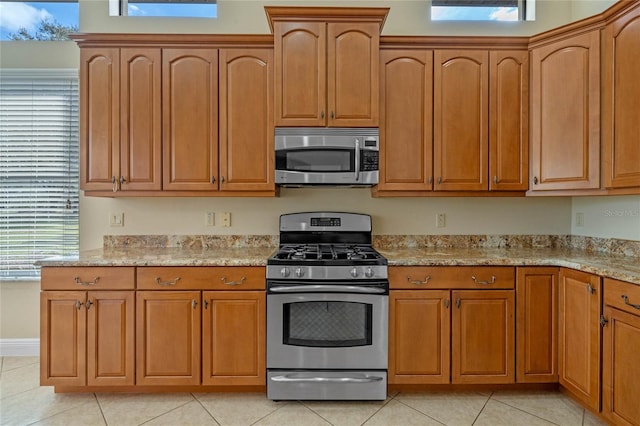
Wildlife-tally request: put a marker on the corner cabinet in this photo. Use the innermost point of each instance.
(170, 119)
(326, 65)
(579, 336)
(621, 126)
(565, 113)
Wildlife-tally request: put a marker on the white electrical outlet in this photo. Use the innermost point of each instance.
(441, 220)
(210, 219)
(116, 219)
(579, 219)
(225, 219)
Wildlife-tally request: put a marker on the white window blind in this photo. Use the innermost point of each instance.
(38, 168)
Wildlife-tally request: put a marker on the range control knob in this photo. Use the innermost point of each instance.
(368, 273)
(285, 272)
(299, 272)
(354, 272)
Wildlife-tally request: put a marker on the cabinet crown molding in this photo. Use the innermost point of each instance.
(326, 14)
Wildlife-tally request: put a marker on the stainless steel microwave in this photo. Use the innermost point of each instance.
(308, 156)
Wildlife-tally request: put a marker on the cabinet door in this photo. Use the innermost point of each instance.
(301, 80)
(190, 119)
(620, 371)
(233, 342)
(246, 93)
(579, 336)
(352, 74)
(99, 118)
(168, 338)
(63, 325)
(621, 126)
(537, 325)
(509, 120)
(419, 333)
(565, 113)
(140, 115)
(406, 102)
(460, 128)
(110, 338)
(482, 338)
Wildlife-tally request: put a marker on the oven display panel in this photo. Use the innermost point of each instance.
(325, 221)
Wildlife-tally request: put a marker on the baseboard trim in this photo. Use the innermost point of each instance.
(19, 347)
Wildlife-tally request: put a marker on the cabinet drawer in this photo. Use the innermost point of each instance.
(87, 278)
(445, 277)
(201, 278)
(622, 295)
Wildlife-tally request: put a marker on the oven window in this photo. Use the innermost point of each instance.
(316, 160)
(327, 324)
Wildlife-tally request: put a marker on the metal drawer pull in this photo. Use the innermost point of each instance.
(626, 302)
(418, 282)
(88, 304)
(493, 280)
(78, 304)
(224, 281)
(166, 283)
(94, 282)
(366, 379)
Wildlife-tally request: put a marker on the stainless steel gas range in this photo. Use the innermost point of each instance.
(327, 310)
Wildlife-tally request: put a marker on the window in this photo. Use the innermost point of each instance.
(38, 168)
(173, 8)
(482, 10)
(50, 20)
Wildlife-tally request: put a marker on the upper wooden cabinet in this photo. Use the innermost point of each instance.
(460, 127)
(565, 113)
(190, 119)
(326, 65)
(621, 127)
(406, 105)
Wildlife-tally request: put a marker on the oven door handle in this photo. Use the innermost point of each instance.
(289, 378)
(327, 288)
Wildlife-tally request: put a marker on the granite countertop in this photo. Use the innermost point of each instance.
(625, 268)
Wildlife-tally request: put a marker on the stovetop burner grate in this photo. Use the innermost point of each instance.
(303, 252)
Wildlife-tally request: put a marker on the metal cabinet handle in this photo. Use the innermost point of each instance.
(205, 304)
(603, 321)
(591, 289)
(88, 304)
(114, 182)
(626, 302)
(322, 114)
(221, 179)
(495, 180)
(535, 180)
(78, 305)
(458, 303)
(418, 282)
(94, 282)
(224, 281)
(194, 304)
(332, 115)
(430, 180)
(439, 180)
(446, 303)
(493, 280)
(213, 179)
(166, 283)
(122, 181)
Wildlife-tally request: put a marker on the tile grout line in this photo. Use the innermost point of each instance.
(424, 414)
(95, 395)
(267, 415)
(482, 409)
(524, 411)
(205, 409)
(167, 412)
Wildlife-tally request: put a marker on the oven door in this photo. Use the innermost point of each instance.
(327, 331)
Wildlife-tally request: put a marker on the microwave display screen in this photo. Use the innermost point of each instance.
(316, 160)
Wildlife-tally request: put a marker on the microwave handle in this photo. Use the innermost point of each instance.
(357, 165)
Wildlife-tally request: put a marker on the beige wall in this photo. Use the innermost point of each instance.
(608, 217)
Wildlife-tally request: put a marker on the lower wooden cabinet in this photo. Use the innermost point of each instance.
(168, 338)
(482, 336)
(621, 346)
(87, 337)
(579, 336)
(537, 325)
(440, 335)
(233, 338)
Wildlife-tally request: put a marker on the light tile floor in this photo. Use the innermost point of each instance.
(24, 402)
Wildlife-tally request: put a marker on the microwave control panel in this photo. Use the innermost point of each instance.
(369, 161)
